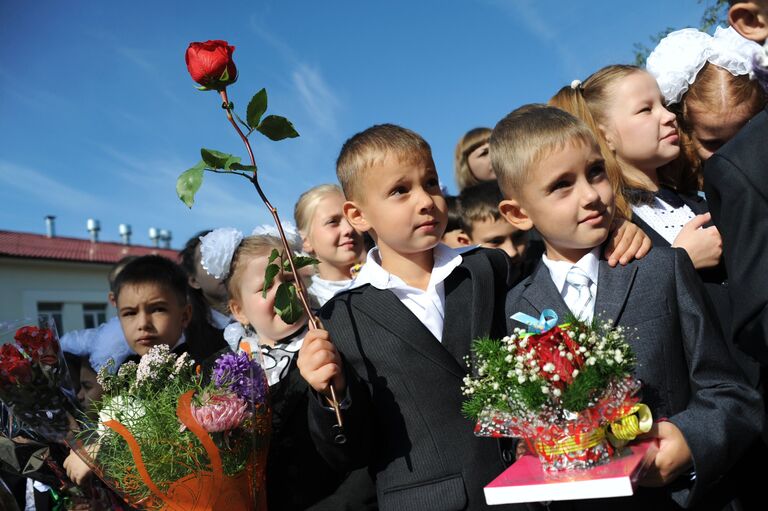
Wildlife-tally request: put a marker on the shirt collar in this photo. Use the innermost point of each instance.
(558, 270)
(446, 260)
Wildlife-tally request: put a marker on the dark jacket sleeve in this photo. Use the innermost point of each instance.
(724, 415)
(356, 415)
(740, 211)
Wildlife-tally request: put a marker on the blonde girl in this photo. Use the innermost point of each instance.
(639, 140)
(328, 237)
(297, 477)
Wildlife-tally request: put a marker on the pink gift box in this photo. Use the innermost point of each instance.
(526, 480)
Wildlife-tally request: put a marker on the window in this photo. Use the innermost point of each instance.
(94, 314)
(53, 309)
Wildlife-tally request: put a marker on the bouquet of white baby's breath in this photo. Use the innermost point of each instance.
(557, 387)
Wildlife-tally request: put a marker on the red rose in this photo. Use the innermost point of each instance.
(14, 368)
(37, 342)
(548, 351)
(210, 64)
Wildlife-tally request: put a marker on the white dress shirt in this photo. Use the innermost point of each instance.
(558, 270)
(428, 305)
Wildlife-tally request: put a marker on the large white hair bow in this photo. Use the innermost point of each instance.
(217, 249)
(679, 57)
(291, 234)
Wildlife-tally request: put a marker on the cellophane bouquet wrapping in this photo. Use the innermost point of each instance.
(170, 438)
(40, 412)
(35, 384)
(565, 390)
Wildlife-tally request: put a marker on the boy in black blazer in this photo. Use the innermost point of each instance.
(404, 330)
(553, 176)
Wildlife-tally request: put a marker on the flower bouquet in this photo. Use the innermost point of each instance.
(167, 439)
(566, 390)
(34, 382)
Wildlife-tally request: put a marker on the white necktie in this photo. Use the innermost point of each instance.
(579, 280)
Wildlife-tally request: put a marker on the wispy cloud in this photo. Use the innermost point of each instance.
(35, 184)
(316, 97)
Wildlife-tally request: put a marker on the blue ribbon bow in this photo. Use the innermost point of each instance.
(546, 321)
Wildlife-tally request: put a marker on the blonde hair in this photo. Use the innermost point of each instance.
(306, 206)
(526, 136)
(717, 90)
(589, 102)
(470, 141)
(371, 147)
(249, 248)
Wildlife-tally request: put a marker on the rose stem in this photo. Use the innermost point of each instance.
(313, 322)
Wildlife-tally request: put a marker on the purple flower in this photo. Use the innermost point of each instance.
(241, 375)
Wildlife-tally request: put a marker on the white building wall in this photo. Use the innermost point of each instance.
(26, 282)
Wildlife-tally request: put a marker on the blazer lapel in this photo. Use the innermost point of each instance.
(384, 308)
(459, 315)
(613, 286)
(542, 294)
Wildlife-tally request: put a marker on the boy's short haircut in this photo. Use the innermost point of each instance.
(455, 219)
(525, 136)
(153, 269)
(370, 147)
(480, 202)
(117, 268)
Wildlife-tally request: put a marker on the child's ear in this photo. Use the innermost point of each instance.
(463, 239)
(111, 298)
(186, 315)
(193, 283)
(355, 217)
(237, 312)
(514, 213)
(306, 245)
(747, 19)
(607, 135)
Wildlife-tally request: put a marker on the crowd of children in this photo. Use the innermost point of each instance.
(574, 193)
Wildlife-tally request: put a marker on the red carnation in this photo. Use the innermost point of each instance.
(210, 64)
(14, 368)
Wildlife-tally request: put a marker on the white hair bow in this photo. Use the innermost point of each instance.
(217, 249)
(291, 234)
(679, 57)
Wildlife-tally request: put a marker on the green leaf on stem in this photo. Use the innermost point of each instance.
(276, 128)
(218, 160)
(269, 277)
(256, 108)
(287, 303)
(247, 168)
(299, 262)
(273, 255)
(189, 183)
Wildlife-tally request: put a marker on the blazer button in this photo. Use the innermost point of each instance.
(508, 456)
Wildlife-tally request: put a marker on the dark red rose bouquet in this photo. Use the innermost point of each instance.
(34, 382)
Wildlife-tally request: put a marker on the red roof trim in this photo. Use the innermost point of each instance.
(37, 246)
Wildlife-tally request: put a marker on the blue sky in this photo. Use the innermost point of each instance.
(98, 115)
